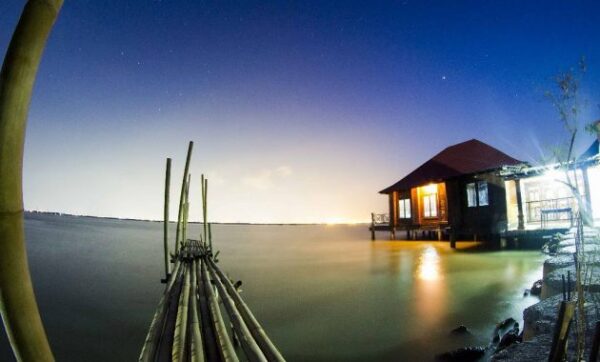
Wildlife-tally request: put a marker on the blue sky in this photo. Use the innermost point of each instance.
(301, 111)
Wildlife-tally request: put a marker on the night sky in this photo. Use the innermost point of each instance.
(301, 111)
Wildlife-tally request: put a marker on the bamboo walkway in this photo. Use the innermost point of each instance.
(189, 324)
(201, 315)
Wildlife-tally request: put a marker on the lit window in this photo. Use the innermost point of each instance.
(430, 205)
(482, 193)
(404, 209)
(472, 195)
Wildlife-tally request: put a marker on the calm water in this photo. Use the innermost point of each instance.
(321, 292)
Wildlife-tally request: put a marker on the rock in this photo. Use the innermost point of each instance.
(553, 281)
(557, 262)
(465, 354)
(460, 331)
(536, 288)
(506, 324)
(509, 338)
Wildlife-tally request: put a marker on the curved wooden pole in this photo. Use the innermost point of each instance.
(18, 306)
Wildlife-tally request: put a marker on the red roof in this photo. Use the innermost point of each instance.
(461, 159)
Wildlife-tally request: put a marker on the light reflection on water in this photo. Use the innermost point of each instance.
(428, 267)
(321, 292)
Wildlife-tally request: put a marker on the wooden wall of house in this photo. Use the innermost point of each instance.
(481, 220)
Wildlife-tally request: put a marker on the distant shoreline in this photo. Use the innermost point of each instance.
(54, 213)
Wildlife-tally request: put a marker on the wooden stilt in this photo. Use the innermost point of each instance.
(372, 227)
(452, 239)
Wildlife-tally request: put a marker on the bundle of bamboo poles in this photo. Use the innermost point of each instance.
(190, 322)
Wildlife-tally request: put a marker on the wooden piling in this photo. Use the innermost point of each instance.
(452, 239)
(372, 227)
(182, 194)
(166, 218)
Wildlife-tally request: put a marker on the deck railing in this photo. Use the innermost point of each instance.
(551, 210)
(380, 219)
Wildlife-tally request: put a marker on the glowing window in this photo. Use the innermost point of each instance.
(404, 208)
(482, 193)
(471, 195)
(430, 205)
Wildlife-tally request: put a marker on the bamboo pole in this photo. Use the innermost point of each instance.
(18, 306)
(166, 217)
(197, 348)
(268, 348)
(204, 192)
(210, 237)
(249, 345)
(186, 208)
(181, 324)
(182, 195)
(153, 336)
(225, 346)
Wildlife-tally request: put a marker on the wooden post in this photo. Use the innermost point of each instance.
(182, 195)
(452, 239)
(521, 218)
(18, 306)
(166, 218)
(561, 331)
(372, 226)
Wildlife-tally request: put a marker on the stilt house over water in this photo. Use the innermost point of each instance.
(474, 190)
(455, 194)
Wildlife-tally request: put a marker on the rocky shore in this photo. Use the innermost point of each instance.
(534, 341)
(540, 319)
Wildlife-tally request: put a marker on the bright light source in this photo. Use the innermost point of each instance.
(430, 189)
(554, 174)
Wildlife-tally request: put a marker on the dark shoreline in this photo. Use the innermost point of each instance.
(54, 213)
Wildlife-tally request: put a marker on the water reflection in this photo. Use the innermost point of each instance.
(428, 266)
(429, 288)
